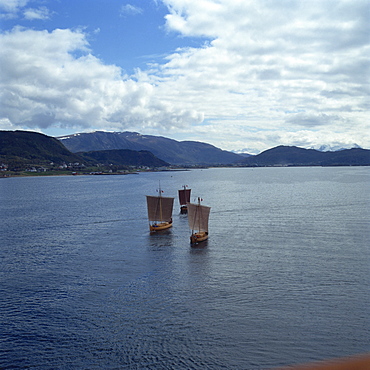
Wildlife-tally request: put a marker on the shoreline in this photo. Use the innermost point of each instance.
(94, 173)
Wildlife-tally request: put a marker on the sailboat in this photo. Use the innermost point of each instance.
(159, 211)
(184, 197)
(198, 216)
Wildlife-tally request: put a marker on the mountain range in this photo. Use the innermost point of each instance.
(187, 153)
(100, 148)
(334, 148)
(20, 149)
(294, 156)
(169, 150)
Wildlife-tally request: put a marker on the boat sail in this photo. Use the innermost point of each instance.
(159, 211)
(198, 216)
(184, 197)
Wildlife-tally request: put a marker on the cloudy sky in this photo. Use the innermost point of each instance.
(239, 74)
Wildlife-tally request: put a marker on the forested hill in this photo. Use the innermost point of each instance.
(123, 156)
(33, 147)
(19, 148)
(294, 156)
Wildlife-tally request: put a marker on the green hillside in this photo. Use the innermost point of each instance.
(33, 148)
(294, 156)
(123, 157)
(25, 150)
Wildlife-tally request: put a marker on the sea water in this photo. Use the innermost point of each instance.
(284, 277)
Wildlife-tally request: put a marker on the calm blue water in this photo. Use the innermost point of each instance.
(284, 277)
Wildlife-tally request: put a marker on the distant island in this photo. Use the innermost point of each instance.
(31, 153)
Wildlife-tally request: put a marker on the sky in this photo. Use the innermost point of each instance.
(243, 75)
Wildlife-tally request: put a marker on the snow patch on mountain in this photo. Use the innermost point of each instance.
(334, 147)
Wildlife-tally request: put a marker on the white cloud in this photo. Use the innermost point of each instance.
(9, 8)
(41, 13)
(267, 58)
(129, 9)
(269, 73)
(45, 83)
(12, 5)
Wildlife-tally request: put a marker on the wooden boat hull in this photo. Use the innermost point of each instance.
(160, 226)
(198, 237)
(183, 209)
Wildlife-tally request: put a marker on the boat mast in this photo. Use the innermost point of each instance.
(200, 211)
(160, 201)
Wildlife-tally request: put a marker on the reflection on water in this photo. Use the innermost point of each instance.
(160, 239)
(200, 247)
